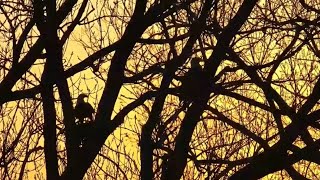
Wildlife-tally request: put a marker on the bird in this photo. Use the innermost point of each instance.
(83, 110)
(39, 15)
(192, 83)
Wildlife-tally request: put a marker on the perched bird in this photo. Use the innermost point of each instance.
(39, 15)
(192, 83)
(83, 109)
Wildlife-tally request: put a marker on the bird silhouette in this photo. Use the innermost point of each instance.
(83, 110)
(192, 83)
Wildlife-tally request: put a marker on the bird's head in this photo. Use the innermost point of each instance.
(81, 98)
(195, 62)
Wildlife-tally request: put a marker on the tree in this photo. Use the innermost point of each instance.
(256, 117)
